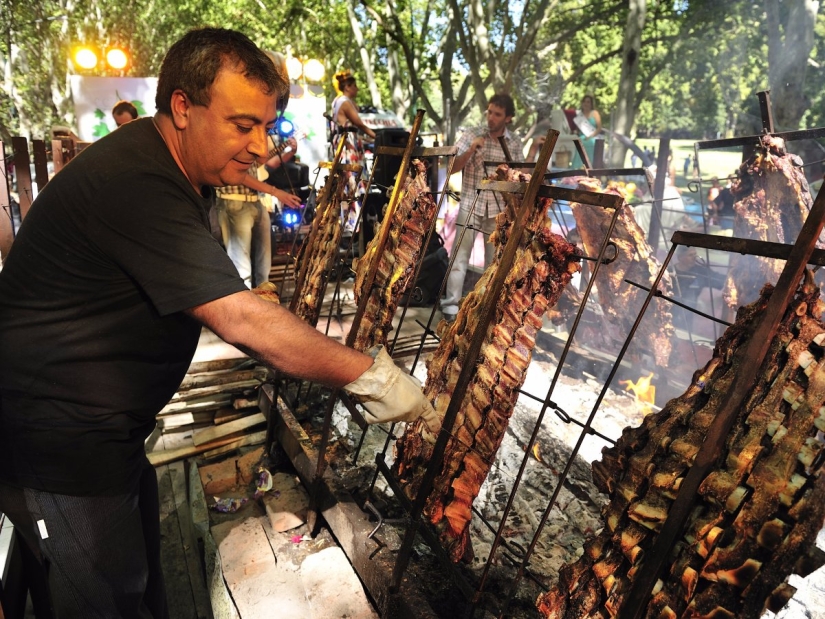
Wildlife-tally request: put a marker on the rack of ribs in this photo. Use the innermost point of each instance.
(772, 200)
(757, 514)
(636, 262)
(542, 268)
(321, 252)
(396, 265)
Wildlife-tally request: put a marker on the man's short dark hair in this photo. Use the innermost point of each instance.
(193, 63)
(505, 102)
(125, 106)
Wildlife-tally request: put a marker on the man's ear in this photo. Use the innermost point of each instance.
(180, 109)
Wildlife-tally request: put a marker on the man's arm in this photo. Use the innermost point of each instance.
(284, 155)
(273, 335)
(461, 160)
(289, 199)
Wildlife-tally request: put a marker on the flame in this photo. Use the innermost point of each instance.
(536, 453)
(643, 390)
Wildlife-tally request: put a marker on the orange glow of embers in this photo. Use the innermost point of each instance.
(644, 391)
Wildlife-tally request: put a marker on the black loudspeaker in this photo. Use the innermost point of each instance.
(387, 166)
(373, 213)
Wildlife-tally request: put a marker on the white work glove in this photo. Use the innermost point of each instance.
(390, 394)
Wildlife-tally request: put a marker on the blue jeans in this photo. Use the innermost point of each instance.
(246, 234)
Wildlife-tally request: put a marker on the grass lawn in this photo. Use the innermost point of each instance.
(718, 163)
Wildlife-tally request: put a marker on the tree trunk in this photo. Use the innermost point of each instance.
(399, 88)
(625, 115)
(375, 97)
(789, 47)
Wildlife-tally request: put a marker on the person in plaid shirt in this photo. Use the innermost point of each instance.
(475, 146)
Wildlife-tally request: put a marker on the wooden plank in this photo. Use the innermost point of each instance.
(215, 365)
(41, 168)
(159, 458)
(225, 415)
(175, 573)
(214, 379)
(168, 422)
(209, 403)
(210, 434)
(6, 222)
(58, 156)
(250, 439)
(22, 173)
(179, 477)
(218, 390)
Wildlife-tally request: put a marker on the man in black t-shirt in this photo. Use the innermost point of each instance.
(102, 299)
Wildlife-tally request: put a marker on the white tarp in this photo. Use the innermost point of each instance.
(94, 98)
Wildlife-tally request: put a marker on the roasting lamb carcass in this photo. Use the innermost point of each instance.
(757, 514)
(542, 268)
(636, 262)
(321, 255)
(412, 219)
(772, 202)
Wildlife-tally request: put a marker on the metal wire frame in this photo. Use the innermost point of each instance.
(696, 185)
(428, 152)
(336, 175)
(634, 606)
(488, 305)
(655, 214)
(368, 284)
(558, 193)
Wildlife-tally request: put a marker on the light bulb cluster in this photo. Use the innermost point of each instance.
(312, 70)
(90, 57)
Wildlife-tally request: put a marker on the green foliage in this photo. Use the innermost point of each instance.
(700, 65)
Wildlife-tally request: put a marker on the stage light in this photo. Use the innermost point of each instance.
(314, 70)
(294, 68)
(85, 57)
(117, 58)
(291, 218)
(285, 128)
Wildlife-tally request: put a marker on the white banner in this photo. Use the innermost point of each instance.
(305, 110)
(94, 98)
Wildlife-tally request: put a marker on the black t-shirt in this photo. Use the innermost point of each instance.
(93, 340)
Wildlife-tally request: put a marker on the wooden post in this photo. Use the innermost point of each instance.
(41, 168)
(598, 154)
(57, 155)
(655, 230)
(6, 221)
(23, 173)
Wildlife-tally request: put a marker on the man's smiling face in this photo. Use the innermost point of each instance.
(222, 140)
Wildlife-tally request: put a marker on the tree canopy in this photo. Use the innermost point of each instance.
(687, 67)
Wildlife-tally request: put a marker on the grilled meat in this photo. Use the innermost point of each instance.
(326, 235)
(542, 268)
(772, 201)
(396, 266)
(757, 514)
(636, 262)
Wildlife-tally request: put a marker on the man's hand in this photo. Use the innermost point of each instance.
(390, 394)
(286, 198)
(468, 155)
